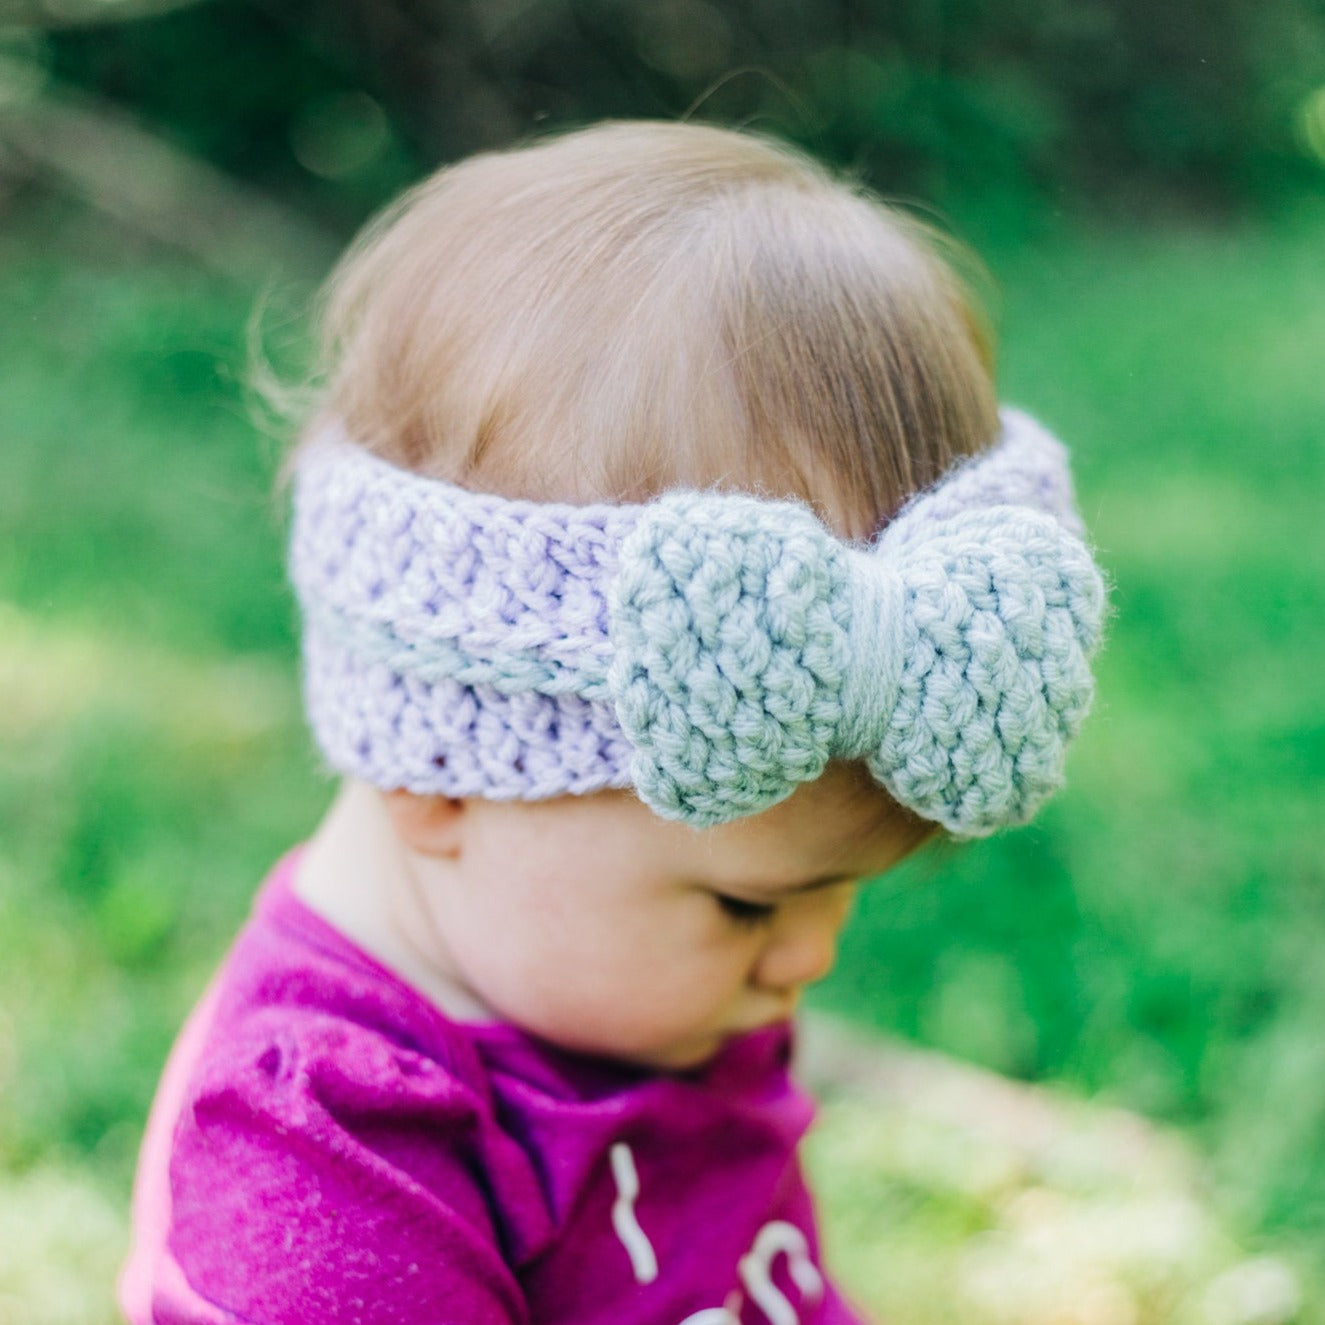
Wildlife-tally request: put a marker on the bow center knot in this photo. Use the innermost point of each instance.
(873, 677)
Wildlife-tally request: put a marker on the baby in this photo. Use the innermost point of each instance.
(666, 568)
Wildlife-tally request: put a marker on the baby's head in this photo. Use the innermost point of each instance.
(606, 612)
(642, 306)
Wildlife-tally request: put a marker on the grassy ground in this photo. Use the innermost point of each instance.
(1153, 941)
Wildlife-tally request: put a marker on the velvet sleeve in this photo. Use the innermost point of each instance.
(322, 1173)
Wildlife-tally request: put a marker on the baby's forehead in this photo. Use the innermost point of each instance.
(842, 821)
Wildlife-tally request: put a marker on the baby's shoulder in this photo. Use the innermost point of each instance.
(308, 1035)
(324, 1159)
(325, 1060)
(302, 1018)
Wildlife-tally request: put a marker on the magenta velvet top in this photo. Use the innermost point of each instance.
(327, 1146)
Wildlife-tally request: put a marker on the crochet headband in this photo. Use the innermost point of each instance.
(712, 650)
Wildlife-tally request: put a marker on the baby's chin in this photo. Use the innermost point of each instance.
(697, 1051)
(683, 1056)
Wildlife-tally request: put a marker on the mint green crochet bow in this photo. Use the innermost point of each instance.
(750, 646)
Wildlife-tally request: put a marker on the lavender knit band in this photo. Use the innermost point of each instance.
(711, 650)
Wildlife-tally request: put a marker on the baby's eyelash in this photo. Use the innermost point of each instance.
(743, 912)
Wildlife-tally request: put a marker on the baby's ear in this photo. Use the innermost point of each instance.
(429, 825)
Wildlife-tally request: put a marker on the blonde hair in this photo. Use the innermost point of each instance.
(639, 305)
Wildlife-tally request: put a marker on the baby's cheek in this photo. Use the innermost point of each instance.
(618, 1002)
(560, 976)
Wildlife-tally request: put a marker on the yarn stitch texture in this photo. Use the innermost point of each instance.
(712, 650)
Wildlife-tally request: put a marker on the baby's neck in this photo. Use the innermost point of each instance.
(358, 876)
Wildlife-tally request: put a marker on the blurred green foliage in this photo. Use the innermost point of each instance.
(987, 111)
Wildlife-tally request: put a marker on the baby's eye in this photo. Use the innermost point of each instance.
(743, 912)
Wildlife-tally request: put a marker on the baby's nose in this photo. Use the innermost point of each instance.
(803, 946)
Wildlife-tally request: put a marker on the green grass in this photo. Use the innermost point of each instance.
(1154, 939)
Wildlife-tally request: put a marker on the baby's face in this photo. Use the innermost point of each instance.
(598, 926)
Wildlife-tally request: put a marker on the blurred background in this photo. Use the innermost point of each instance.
(1145, 184)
